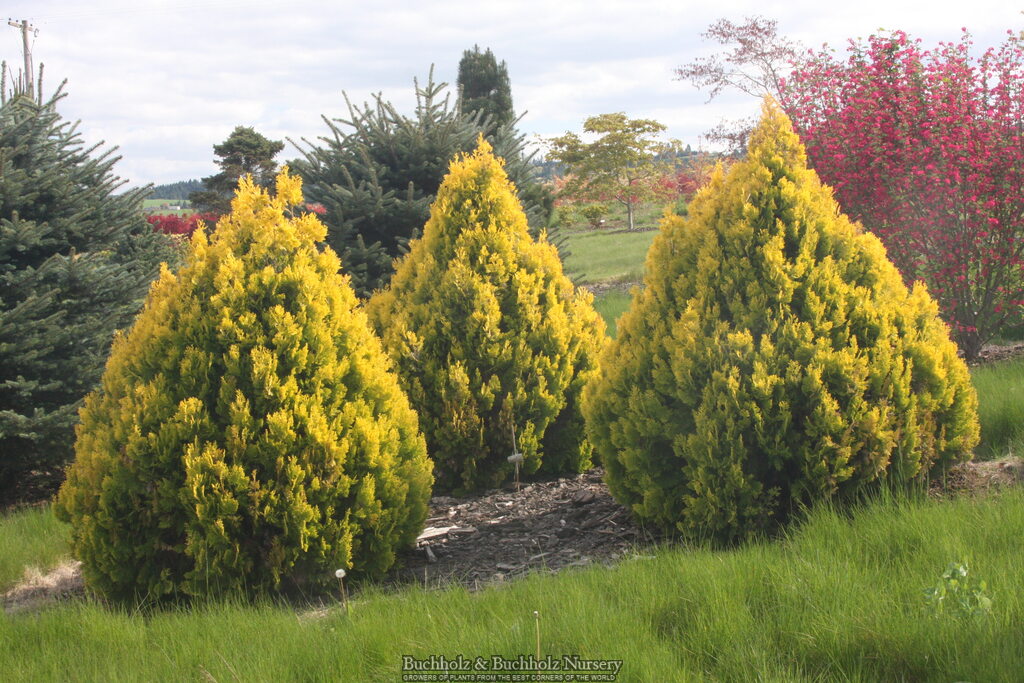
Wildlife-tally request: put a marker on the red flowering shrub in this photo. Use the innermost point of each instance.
(173, 224)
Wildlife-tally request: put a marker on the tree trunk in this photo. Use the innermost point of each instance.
(629, 214)
(970, 345)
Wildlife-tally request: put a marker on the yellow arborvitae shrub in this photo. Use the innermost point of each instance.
(488, 333)
(774, 358)
(248, 434)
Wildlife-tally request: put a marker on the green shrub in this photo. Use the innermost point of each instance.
(566, 216)
(774, 358)
(488, 334)
(595, 214)
(248, 434)
(958, 594)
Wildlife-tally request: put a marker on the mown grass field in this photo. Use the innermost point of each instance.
(645, 217)
(154, 206)
(606, 256)
(612, 304)
(1000, 389)
(30, 538)
(156, 203)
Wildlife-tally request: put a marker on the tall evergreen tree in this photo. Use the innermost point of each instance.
(244, 152)
(378, 171)
(75, 262)
(484, 87)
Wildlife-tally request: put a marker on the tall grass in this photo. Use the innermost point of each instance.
(1000, 389)
(840, 598)
(30, 538)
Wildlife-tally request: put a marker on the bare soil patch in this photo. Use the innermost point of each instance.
(38, 589)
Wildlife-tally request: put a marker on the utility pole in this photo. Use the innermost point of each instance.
(26, 50)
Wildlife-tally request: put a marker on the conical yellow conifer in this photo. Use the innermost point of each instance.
(773, 358)
(489, 335)
(249, 434)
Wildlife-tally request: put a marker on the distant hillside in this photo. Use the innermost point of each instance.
(179, 190)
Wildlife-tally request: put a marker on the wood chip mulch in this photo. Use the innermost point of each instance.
(502, 534)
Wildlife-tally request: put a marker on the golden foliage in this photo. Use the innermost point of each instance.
(773, 358)
(248, 433)
(487, 333)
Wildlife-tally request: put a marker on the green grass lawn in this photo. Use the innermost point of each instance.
(840, 598)
(1000, 389)
(604, 256)
(607, 256)
(31, 538)
(153, 205)
(157, 203)
(612, 304)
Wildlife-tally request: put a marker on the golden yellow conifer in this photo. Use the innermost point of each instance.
(248, 434)
(774, 358)
(488, 335)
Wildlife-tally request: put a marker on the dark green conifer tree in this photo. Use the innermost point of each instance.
(485, 88)
(377, 173)
(244, 152)
(75, 262)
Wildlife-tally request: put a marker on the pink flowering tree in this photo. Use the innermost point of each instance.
(926, 149)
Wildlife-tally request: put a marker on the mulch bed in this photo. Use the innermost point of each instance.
(997, 352)
(501, 534)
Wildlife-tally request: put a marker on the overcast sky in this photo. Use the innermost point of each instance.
(165, 81)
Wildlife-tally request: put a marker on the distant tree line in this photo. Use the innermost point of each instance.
(179, 190)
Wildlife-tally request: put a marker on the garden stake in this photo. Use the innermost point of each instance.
(516, 456)
(341, 582)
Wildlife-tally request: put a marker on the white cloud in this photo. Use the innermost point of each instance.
(167, 80)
